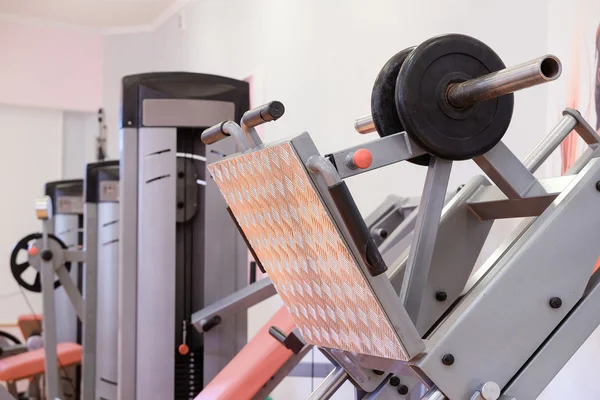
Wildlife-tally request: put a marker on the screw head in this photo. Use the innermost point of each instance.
(180, 205)
(441, 296)
(555, 302)
(180, 175)
(403, 389)
(448, 359)
(598, 186)
(490, 391)
(46, 255)
(394, 381)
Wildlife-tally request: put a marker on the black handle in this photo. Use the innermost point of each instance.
(358, 229)
(211, 323)
(291, 341)
(252, 272)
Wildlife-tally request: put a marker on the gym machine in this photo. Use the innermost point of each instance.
(48, 255)
(102, 200)
(501, 335)
(263, 363)
(179, 249)
(67, 200)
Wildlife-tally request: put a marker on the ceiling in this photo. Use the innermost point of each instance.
(101, 14)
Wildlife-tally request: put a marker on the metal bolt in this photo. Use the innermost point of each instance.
(490, 391)
(180, 204)
(46, 255)
(441, 296)
(181, 175)
(448, 359)
(555, 302)
(394, 381)
(598, 186)
(402, 389)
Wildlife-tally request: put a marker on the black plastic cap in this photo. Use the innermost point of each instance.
(211, 323)
(179, 85)
(96, 173)
(55, 189)
(274, 111)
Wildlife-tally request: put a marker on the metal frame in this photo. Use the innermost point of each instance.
(151, 236)
(488, 336)
(471, 328)
(86, 310)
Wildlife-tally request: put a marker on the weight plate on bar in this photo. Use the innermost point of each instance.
(18, 269)
(383, 105)
(429, 120)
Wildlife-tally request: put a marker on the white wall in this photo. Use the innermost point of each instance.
(79, 143)
(320, 59)
(31, 157)
(134, 54)
(46, 65)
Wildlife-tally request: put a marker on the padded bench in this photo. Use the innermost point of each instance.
(254, 365)
(31, 363)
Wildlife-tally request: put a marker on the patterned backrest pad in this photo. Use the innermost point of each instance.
(298, 243)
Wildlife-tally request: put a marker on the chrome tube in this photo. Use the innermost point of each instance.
(540, 70)
(330, 384)
(550, 143)
(364, 124)
(434, 394)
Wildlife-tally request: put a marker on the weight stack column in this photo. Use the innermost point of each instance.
(102, 189)
(67, 203)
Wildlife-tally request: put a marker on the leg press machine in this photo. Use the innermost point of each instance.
(427, 324)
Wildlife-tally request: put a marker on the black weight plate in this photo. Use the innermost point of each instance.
(429, 120)
(18, 269)
(10, 337)
(383, 105)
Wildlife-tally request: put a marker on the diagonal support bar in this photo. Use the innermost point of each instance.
(425, 234)
(508, 173)
(72, 291)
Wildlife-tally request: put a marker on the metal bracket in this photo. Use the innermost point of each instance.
(508, 173)
(234, 303)
(386, 150)
(74, 256)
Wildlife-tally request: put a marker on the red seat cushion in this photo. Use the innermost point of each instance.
(31, 363)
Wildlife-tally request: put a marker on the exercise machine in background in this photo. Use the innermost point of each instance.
(67, 199)
(48, 255)
(501, 333)
(179, 249)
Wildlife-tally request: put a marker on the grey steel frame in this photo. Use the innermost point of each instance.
(86, 310)
(556, 203)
